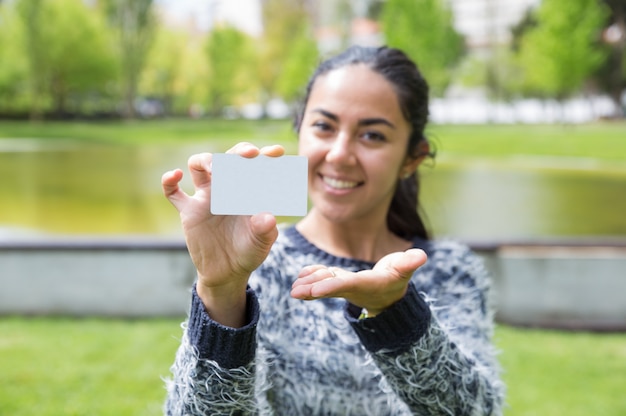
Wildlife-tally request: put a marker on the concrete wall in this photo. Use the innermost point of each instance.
(123, 278)
(578, 287)
(567, 286)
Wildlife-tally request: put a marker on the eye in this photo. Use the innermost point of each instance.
(374, 136)
(322, 127)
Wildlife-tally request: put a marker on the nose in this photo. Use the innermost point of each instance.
(341, 151)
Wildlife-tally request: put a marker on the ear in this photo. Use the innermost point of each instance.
(412, 163)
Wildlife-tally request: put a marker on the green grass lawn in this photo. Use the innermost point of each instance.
(152, 131)
(114, 367)
(84, 367)
(605, 141)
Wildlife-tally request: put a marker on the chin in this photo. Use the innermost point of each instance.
(332, 213)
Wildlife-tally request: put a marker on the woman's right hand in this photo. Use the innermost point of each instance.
(225, 249)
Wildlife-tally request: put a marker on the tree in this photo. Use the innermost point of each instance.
(14, 68)
(229, 53)
(161, 76)
(611, 76)
(134, 23)
(285, 22)
(78, 56)
(299, 66)
(562, 51)
(424, 30)
(193, 91)
(499, 74)
(68, 52)
(31, 13)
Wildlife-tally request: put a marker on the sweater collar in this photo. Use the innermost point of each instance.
(306, 247)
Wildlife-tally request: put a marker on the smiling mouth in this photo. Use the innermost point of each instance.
(339, 184)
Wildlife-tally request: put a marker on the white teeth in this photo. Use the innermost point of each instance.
(337, 184)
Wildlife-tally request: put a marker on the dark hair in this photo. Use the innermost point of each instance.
(403, 218)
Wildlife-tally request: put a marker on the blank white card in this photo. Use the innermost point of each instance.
(248, 186)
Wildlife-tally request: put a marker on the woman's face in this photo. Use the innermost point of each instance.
(355, 137)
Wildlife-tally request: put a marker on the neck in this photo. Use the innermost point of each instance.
(358, 240)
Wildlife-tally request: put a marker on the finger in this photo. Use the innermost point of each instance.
(307, 270)
(275, 150)
(171, 189)
(302, 292)
(406, 263)
(314, 273)
(336, 286)
(200, 169)
(244, 149)
(320, 282)
(170, 181)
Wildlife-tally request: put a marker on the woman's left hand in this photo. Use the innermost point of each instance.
(374, 290)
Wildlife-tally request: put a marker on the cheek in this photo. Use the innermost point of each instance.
(386, 169)
(307, 148)
(304, 144)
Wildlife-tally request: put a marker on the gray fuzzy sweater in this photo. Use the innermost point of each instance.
(428, 354)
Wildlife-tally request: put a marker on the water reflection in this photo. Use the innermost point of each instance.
(88, 189)
(493, 201)
(106, 189)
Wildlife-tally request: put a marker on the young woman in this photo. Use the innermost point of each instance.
(354, 310)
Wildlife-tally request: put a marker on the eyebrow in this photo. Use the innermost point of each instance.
(362, 122)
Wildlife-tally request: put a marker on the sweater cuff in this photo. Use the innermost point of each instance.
(229, 347)
(397, 327)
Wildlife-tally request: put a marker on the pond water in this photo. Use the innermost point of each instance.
(69, 188)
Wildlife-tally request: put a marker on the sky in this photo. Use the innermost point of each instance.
(243, 14)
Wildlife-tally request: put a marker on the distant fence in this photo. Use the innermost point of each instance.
(576, 285)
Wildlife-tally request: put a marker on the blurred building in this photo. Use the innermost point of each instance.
(338, 23)
(488, 23)
(484, 23)
(199, 16)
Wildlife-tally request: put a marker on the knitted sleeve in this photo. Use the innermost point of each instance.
(442, 360)
(214, 369)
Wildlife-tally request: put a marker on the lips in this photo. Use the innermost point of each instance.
(340, 184)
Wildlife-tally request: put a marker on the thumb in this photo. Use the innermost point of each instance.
(404, 263)
(264, 228)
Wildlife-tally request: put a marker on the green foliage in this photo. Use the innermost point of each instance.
(69, 58)
(79, 57)
(561, 52)
(30, 12)
(285, 23)
(134, 24)
(14, 67)
(194, 79)
(299, 66)
(424, 30)
(500, 73)
(230, 61)
(611, 76)
(162, 76)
